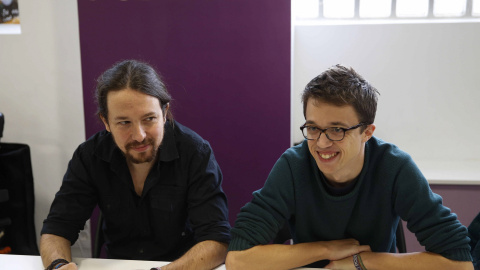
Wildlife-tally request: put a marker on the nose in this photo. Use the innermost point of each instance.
(138, 133)
(323, 141)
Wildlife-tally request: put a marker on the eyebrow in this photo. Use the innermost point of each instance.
(331, 124)
(143, 116)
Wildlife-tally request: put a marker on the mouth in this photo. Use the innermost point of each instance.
(325, 156)
(140, 148)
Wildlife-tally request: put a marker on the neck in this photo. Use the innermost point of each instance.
(346, 177)
(138, 167)
(139, 173)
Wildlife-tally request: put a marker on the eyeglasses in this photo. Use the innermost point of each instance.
(332, 133)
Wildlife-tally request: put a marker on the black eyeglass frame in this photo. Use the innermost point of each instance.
(323, 131)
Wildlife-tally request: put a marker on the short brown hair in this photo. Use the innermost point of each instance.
(340, 86)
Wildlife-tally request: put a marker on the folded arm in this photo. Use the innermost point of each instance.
(292, 256)
(204, 255)
(393, 261)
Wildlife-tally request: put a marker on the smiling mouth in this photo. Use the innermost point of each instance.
(327, 156)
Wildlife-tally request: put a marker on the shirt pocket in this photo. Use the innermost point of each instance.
(168, 199)
(169, 210)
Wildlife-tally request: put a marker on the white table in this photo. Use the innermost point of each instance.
(25, 262)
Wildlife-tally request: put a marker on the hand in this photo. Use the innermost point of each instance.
(341, 249)
(343, 264)
(70, 266)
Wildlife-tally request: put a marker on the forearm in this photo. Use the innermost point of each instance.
(54, 247)
(204, 255)
(292, 256)
(411, 261)
(273, 257)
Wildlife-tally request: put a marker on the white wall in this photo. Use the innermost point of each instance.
(41, 95)
(428, 77)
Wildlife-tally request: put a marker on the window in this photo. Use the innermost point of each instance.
(449, 8)
(476, 8)
(307, 8)
(386, 9)
(412, 8)
(375, 9)
(338, 8)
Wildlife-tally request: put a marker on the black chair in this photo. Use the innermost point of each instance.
(4, 221)
(17, 196)
(400, 235)
(474, 235)
(284, 235)
(99, 237)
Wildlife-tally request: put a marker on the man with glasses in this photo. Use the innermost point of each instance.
(342, 193)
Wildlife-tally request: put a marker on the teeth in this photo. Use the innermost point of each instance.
(324, 156)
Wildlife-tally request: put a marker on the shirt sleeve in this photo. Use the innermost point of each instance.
(433, 224)
(260, 220)
(73, 203)
(207, 203)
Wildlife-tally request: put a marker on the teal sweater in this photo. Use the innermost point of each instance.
(390, 186)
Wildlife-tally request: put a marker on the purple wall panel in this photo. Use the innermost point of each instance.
(227, 66)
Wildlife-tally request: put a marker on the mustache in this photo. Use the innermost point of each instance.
(136, 144)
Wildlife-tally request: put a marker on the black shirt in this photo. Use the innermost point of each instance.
(182, 201)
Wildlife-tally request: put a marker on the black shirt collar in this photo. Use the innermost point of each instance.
(168, 148)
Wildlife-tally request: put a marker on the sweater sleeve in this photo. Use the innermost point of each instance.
(433, 224)
(261, 219)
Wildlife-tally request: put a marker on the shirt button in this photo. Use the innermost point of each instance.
(140, 251)
(183, 233)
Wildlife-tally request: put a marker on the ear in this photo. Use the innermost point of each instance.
(165, 112)
(105, 122)
(368, 132)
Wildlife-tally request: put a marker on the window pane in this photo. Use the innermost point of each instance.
(375, 8)
(338, 8)
(306, 8)
(412, 8)
(449, 8)
(476, 8)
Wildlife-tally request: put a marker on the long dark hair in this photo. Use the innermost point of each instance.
(134, 75)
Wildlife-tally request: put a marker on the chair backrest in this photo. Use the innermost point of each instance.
(99, 237)
(400, 235)
(474, 234)
(2, 124)
(16, 177)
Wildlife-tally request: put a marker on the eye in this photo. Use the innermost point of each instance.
(336, 130)
(151, 119)
(311, 128)
(123, 123)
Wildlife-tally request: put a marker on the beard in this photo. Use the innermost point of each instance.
(144, 157)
